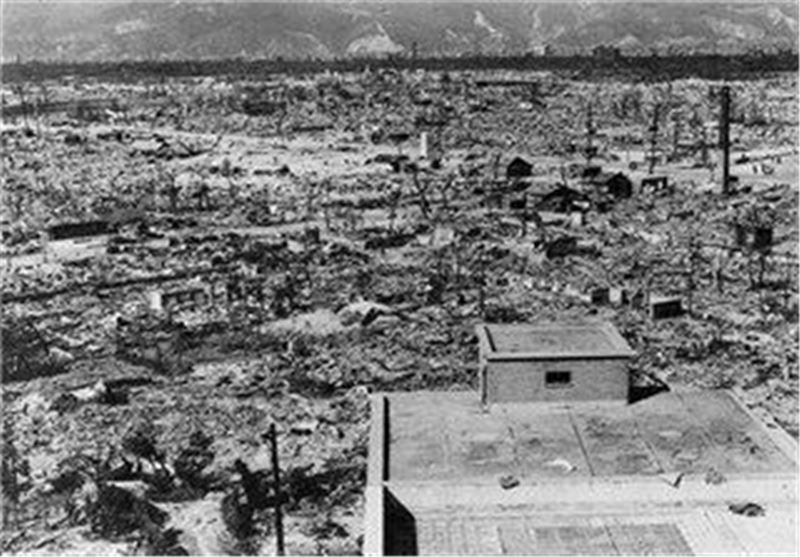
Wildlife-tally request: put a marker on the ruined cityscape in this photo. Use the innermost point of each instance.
(401, 302)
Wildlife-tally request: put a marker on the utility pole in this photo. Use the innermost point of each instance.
(724, 138)
(677, 126)
(590, 148)
(276, 478)
(699, 135)
(653, 138)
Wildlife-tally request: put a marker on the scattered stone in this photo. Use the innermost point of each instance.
(509, 482)
(304, 427)
(562, 463)
(747, 509)
(61, 357)
(96, 393)
(715, 477)
(65, 402)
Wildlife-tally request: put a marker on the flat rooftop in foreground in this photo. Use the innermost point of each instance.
(656, 476)
(585, 340)
(447, 437)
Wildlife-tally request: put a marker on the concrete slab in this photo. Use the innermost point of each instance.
(545, 446)
(448, 437)
(739, 438)
(613, 442)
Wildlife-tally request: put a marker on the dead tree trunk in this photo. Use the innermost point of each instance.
(421, 190)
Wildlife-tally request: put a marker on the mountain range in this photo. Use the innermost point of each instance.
(51, 30)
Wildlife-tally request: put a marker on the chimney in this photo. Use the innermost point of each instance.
(724, 138)
(156, 301)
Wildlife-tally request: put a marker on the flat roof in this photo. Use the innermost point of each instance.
(448, 437)
(556, 340)
(654, 477)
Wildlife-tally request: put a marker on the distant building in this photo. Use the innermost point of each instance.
(615, 184)
(583, 171)
(78, 230)
(541, 50)
(519, 168)
(606, 52)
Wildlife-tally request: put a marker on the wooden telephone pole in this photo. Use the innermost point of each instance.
(699, 136)
(724, 138)
(653, 139)
(677, 128)
(590, 131)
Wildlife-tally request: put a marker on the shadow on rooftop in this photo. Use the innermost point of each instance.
(637, 393)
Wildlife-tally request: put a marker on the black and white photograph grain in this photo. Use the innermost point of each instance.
(391, 277)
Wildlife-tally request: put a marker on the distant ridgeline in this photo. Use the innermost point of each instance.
(708, 66)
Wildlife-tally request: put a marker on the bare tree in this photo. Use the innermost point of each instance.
(394, 204)
(171, 188)
(445, 188)
(421, 188)
(311, 194)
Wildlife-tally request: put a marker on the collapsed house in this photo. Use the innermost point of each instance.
(563, 199)
(25, 352)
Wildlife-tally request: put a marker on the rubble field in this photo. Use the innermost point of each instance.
(210, 258)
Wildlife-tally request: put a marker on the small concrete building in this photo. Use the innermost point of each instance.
(615, 184)
(519, 168)
(78, 230)
(552, 363)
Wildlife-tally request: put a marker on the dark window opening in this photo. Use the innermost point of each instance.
(556, 379)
